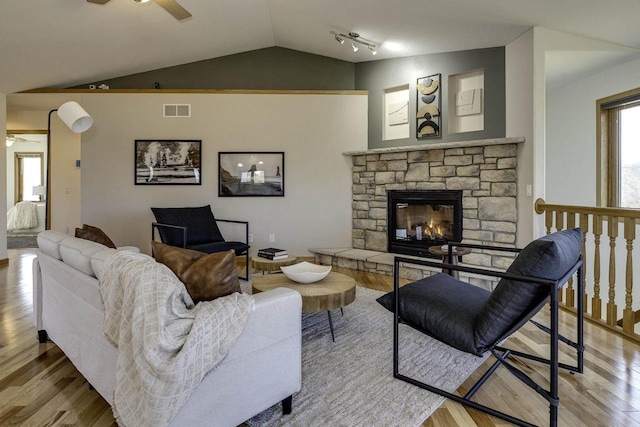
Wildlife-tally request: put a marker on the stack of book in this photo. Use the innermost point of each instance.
(273, 253)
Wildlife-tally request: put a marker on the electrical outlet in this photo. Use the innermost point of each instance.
(272, 238)
(250, 238)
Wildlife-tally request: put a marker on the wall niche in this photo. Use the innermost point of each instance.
(395, 111)
(466, 102)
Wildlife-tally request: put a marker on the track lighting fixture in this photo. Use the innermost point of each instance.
(356, 40)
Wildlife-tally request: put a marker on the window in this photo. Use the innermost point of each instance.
(619, 150)
(29, 173)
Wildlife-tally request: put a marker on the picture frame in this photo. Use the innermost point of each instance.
(251, 174)
(428, 107)
(168, 162)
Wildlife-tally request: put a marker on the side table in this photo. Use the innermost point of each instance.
(264, 264)
(455, 253)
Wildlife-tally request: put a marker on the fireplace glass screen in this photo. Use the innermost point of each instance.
(424, 222)
(420, 219)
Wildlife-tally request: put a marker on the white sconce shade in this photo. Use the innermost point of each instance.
(75, 117)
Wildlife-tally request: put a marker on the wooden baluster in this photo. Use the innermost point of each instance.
(570, 292)
(559, 220)
(584, 226)
(548, 220)
(627, 313)
(612, 309)
(596, 301)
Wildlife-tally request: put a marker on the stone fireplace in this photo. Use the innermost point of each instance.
(419, 219)
(483, 172)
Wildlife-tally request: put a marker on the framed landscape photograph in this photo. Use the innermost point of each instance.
(251, 174)
(168, 162)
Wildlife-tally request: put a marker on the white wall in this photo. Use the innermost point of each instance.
(571, 132)
(3, 181)
(312, 130)
(519, 58)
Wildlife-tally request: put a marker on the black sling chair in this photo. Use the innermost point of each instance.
(196, 228)
(477, 321)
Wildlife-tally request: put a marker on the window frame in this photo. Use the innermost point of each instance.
(607, 141)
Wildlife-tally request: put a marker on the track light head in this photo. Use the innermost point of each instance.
(356, 41)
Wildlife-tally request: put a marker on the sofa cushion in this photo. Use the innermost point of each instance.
(443, 307)
(77, 253)
(49, 242)
(94, 234)
(206, 276)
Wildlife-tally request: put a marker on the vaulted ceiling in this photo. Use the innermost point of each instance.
(61, 43)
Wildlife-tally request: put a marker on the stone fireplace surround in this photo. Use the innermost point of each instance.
(486, 172)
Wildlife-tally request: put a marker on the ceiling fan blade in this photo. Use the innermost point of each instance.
(97, 1)
(174, 8)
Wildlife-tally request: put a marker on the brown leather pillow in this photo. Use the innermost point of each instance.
(94, 234)
(206, 276)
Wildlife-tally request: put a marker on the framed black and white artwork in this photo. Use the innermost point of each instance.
(168, 162)
(251, 174)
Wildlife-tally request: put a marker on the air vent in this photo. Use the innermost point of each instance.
(177, 110)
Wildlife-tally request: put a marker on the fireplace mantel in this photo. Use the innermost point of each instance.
(438, 146)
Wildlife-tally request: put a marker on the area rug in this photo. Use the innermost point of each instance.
(349, 382)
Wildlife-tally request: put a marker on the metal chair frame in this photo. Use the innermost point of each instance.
(503, 353)
(158, 225)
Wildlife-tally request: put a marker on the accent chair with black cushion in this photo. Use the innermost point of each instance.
(478, 321)
(196, 228)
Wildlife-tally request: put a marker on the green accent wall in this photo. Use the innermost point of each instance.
(272, 68)
(376, 76)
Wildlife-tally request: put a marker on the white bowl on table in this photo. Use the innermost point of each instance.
(305, 272)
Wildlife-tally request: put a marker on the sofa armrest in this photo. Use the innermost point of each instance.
(277, 317)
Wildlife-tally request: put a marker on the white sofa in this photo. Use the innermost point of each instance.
(262, 369)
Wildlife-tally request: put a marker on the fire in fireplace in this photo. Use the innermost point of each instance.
(420, 219)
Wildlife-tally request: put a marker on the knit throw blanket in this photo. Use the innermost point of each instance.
(166, 345)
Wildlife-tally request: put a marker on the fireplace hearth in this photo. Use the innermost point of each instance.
(419, 219)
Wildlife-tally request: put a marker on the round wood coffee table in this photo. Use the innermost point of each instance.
(334, 291)
(265, 264)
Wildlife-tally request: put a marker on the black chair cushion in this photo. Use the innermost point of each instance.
(209, 248)
(200, 222)
(511, 303)
(442, 307)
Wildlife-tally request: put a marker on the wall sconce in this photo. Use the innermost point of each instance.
(355, 41)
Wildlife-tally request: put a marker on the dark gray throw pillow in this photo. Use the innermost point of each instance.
(548, 257)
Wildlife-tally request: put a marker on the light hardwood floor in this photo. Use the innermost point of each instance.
(40, 387)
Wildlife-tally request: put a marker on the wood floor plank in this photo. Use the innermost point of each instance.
(40, 387)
